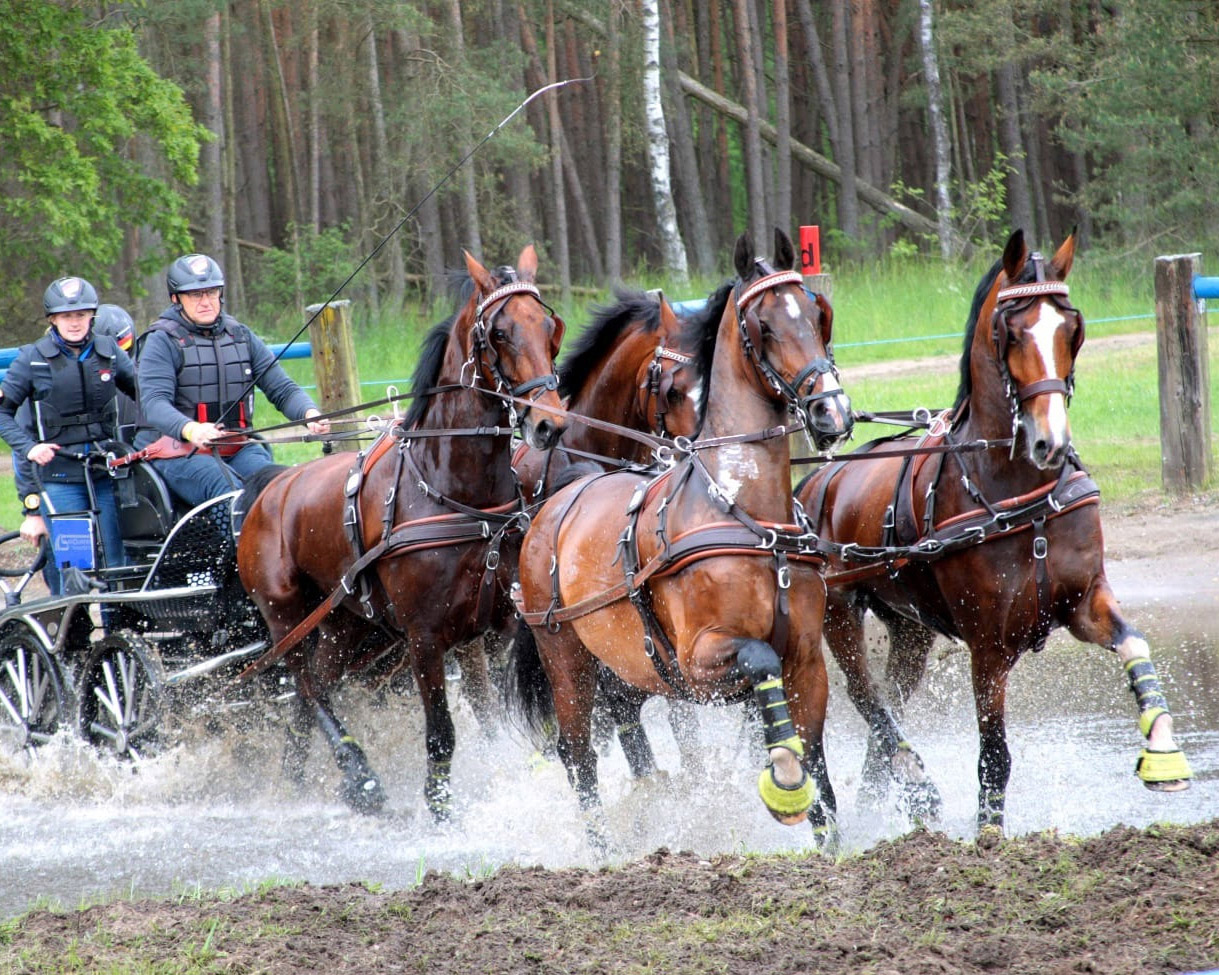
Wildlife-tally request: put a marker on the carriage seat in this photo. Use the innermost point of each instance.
(146, 512)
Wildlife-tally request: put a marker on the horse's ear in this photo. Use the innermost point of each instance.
(1015, 254)
(556, 340)
(827, 320)
(527, 263)
(1064, 257)
(479, 274)
(785, 254)
(742, 256)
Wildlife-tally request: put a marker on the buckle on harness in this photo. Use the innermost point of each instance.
(784, 576)
(769, 540)
(493, 558)
(1041, 546)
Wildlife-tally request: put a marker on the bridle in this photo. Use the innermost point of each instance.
(483, 352)
(658, 383)
(1016, 298)
(751, 342)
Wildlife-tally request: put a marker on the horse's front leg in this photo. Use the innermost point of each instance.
(1161, 765)
(991, 665)
(440, 736)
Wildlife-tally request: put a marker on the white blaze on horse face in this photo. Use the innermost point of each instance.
(734, 469)
(1049, 321)
(696, 397)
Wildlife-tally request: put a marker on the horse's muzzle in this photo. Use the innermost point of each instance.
(828, 418)
(543, 434)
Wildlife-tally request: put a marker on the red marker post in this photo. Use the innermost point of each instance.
(810, 260)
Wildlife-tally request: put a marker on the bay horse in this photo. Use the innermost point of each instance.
(411, 548)
(996, 547)
(695, 583)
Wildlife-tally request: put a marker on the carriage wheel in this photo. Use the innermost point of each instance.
(31, 690)
(122, 694)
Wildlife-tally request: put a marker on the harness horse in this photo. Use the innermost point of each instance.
(411, 550)
(696, 583)
(996, 547)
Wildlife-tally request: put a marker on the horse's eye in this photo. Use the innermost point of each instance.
(499, 334)
(674, 395)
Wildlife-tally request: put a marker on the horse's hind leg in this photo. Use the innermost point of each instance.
(1161, 765)
(889, 757)
(296, 746)
(476, 682)
(625, 705)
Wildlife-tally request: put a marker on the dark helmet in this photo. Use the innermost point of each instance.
(114, 321)
(193, 272)
(69, 294)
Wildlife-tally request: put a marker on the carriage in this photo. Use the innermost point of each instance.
(175, 624)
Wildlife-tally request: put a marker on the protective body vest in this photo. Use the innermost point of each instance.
(216, 369)
(73, 401)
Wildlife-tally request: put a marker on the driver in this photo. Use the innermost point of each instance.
(69, 378)
(197, 370)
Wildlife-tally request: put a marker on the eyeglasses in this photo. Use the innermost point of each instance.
(210, 293)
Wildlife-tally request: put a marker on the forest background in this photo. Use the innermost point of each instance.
(289, 139)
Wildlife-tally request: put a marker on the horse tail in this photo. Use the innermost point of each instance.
(527, 692)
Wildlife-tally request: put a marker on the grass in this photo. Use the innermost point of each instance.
(894, 309)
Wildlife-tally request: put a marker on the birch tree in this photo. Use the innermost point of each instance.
(939, 129)
(672, 247)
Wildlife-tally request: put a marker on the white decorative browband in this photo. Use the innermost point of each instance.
(663, 353)
(1036, 288)
(765, 284)
(503, 291)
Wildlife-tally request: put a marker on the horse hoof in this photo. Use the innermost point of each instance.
(1164, 771)
(365, 796)
(789, 804)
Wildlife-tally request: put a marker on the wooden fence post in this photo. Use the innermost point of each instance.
(1184, 373)
(334, 360)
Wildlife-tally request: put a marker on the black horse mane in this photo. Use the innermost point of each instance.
(431, 352)
(609, 322)
(971, 325)
(705, 325)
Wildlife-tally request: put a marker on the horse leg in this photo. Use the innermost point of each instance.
(1161, 765)
(910, 646)
(476, 682)
(991, 666)
(625, 705)
(296, 746)
(683, 722)
(440, 736)
(360, 789)
(784, 785)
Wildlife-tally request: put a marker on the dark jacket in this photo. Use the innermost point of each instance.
(183, 366)
(72, 399)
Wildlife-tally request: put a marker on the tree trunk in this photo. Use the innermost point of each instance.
(210, 172)
(285, 156)
(783, 160)
(1019, 203)
(562, 247)
(685, 160)
(848, 202)
(708, 122)
(753, 139)
(234, 284)
(821, 77)
(468, 195)
(613, 149)
(939, 129)
(313, 206)
(380, 159)
(673, 248)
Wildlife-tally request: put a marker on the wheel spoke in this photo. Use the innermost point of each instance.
(10, 707)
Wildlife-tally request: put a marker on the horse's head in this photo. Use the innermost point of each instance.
(513, 342)
(669, 383)
(785, 332)
(1034, 338)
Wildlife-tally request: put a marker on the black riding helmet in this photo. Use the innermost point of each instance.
(114, 321)
(193, 272)
(69, 294)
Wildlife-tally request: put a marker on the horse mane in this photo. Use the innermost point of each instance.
(971, 325)
(431, 352)
(608, 324)
(704, 327)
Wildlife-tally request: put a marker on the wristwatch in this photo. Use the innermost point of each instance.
(31, 502)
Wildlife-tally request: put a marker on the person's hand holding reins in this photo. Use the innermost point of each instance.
(32, 528)
(201, 434)
(42, 453)
(317, 426)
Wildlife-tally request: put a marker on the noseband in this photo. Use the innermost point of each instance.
(659, 382)
(751, 340)
(483, 351)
